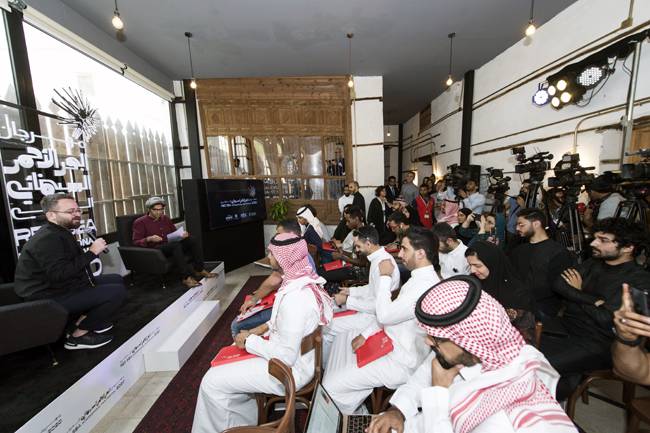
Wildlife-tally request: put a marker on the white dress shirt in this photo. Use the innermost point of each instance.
(454, 262)
(397, 317)
(608, 207)
(344, 201)
(362, 298)
(348, 243)
(475, 202)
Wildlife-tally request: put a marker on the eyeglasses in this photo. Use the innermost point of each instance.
(69, 211)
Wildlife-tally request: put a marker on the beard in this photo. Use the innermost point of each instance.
(466, 359)
(441, 359)
(71, 224)
(527, 234)
(596, 253)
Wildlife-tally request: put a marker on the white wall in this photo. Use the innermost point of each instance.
(512, 113)
(391, 150)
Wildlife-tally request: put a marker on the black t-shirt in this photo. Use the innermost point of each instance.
(539, 265)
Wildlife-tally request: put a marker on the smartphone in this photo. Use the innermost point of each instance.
(641, 297)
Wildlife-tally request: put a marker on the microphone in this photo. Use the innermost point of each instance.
(91, 234)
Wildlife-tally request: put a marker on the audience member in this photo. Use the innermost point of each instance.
(52, 265)
(451, 252)
(489, 264)
(411, 214)
(409, 190)
(348, 384)
(379, 210)
(345, 199)
(361, 298)
(392, 189)
(346, 251)
(151, 231)
(342, 230)
(226, 396)
(540, 261)
(472, 198)
(486, 229)
(463, 214)
(592, 292)
(358, 199)
(480, 375)
(398, 224)
(424, 205)
(554, 199)
(603, 200)
(449, 212)
(631, 362)
(514, 205)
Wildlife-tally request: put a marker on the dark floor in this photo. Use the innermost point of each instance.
(28, 381)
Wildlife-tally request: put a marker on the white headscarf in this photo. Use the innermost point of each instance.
(320, 228)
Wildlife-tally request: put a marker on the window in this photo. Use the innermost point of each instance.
(131, 156)
(7, 87)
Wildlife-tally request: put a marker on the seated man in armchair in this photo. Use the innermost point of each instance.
(151, 230)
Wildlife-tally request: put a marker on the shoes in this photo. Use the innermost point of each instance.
(190, 282)
(104, 328)
(89, 340)
(205, 274)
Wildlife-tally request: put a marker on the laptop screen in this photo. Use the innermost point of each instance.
(324, 416)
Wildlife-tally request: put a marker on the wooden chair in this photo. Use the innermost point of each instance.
(266, 402)
(639, 409)
(583, 391)
(379, 399)
(286, 424)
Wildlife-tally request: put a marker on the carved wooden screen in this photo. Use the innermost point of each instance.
(293, 133)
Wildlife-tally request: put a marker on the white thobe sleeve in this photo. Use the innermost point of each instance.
(359, 291)
(290, 329)
(393, 312)
(407, 397)
(361, 299)
(435, 409)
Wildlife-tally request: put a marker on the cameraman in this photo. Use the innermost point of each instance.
(631, 362)
(603, 200)
(472, 199)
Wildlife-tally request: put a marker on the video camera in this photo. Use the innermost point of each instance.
(537, 165)
(456, 177)
(498, 184)
(570, 175)
(635, 178)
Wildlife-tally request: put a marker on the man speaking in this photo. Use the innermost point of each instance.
(52, 265)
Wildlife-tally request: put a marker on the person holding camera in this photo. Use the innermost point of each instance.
(472, 199)
(630, 361)
(603, 200)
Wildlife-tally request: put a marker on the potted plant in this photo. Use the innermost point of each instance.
(279, 210)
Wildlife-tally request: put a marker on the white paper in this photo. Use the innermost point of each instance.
(176, 235)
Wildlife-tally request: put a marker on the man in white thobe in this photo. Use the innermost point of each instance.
(226, 394)
(360, 298)
(348, 384)
(451, 252)
(480, 377)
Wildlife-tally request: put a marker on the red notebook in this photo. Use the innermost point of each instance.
(336, 264)
(344, 313)
(376, 346)
(329, 246)
(263, 304)
(230, 354)
(392, 250)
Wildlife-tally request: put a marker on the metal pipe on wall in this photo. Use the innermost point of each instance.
(628, 120)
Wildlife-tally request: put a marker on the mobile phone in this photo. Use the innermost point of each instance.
(641, 297)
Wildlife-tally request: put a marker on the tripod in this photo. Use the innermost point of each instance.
(573, 239)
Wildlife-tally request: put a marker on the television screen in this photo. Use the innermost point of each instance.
(234, 201)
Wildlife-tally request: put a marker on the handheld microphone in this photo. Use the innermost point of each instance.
(91, 234)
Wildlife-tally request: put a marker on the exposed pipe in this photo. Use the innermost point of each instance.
(628, 120)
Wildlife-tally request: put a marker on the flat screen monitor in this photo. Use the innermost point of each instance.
(234, 201)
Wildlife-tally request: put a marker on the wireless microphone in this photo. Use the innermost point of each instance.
(91, 234)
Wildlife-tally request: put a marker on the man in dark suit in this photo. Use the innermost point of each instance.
(392, 189)
(358, 201)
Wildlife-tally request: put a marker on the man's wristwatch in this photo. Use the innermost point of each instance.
(631, 343)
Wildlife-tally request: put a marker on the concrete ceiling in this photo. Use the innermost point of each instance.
(404, 41)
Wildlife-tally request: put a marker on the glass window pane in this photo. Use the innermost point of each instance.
(312, 157)
(271, 188)
(218, 149)
(290, 155)
(291, 188)
(267, 151)
(335, 188)
(314, 189)
(7, 87)
(335, 156)
(242, 157)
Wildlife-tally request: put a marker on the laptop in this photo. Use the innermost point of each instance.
(325, 416)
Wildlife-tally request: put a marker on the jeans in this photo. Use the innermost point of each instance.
(251, 322)
(177, 250)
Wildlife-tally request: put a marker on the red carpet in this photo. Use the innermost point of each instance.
(173, 412)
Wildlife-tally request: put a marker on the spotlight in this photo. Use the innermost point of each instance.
(449, 81)
(565, 97)
(591, 76)
(541, 97)
(193, 83)
(530, 30)
(555, 102)
(551, 90)
(561, 85)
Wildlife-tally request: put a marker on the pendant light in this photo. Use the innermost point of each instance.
(188, 35)
(451, 37)
(117, 20)
(530, 30)
(350, 80)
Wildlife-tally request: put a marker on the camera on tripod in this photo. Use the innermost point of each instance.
(537, 165)
(635, 178)
(569, 174)
(456, 177)
(498, 183)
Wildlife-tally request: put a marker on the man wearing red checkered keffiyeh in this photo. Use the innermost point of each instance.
(480, 376)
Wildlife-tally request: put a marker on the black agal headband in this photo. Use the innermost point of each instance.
(455, 316)
(285, 242)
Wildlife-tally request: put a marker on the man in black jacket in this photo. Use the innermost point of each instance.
(52, 265)
(392, 190)
(358, 201)
(592, 293)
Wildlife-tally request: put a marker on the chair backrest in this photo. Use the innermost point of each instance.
(538, 334)
(314, 341)
(124, 226)
(280, 371)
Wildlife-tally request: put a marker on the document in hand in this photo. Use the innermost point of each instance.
(336, 264)
(263, 304)
(230, 354)
(376, 346)
(176, 235)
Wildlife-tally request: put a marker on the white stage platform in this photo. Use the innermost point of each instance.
(165, 343)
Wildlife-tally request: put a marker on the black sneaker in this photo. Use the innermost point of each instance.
(89, 340)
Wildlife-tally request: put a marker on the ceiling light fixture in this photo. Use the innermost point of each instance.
(117, 20)
(189, 35)
(451, 37)
(350, 80)
(530, 30)
(388, 134)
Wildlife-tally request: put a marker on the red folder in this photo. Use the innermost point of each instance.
(329, 246)
(230, 354)
(392, 250)
(344, 313)
(263, 304)
(336, 264)
(376, 346)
